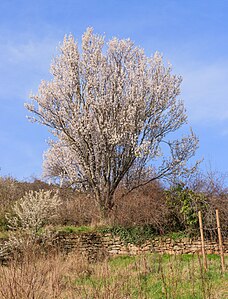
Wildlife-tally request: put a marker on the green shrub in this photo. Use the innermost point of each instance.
(185, 204)
(134, 235)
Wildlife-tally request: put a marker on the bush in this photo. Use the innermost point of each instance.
(33, 210)
(145, 206)
(185, 204)
(28, 216)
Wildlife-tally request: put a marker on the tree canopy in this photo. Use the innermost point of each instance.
(110, 109)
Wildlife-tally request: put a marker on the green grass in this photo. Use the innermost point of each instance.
(75, 229)
(157, 276)
(176, 235)
(121, 261)
(3, 234)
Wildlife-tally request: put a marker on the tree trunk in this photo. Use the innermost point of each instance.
(105, 201)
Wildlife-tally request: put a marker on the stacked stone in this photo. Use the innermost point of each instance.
(96, 246)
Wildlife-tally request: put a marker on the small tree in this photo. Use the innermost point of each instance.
(33, 211)
(110, 111)
(28, 215)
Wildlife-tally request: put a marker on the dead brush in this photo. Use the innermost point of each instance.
(32, 276)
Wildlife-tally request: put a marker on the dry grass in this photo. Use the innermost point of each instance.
(51, 276)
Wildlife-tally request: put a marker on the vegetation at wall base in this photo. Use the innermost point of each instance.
(75, 229)
(135, 235)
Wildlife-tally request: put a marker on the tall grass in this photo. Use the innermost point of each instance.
(51, 276)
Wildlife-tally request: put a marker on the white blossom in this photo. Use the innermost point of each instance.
(33, 210)
(28, 215)
(109, 107)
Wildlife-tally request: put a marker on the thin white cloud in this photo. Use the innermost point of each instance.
(224, 131)
(23, 65)
(36, 53)
(39, 52)
(205, 91)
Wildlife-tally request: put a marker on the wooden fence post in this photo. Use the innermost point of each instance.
(202, 240)
(220, 241)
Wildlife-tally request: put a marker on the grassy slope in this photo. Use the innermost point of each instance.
(154, 276)
(125, 277)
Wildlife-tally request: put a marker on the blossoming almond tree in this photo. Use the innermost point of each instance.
(110, 108)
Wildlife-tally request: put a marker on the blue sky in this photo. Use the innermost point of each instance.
(192, 35)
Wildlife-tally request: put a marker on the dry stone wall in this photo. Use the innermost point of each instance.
(97, 245)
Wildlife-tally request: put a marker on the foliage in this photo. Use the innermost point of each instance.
(110, 113)
(134, 235)
(177, 235)
(186, 203)
(75, 229)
